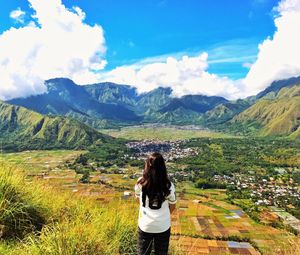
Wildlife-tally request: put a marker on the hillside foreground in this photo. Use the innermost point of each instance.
(44, 215)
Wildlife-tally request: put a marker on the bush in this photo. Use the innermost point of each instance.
(207, 184)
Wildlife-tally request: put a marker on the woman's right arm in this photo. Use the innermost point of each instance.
(137, 190)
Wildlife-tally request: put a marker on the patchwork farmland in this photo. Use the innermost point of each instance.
(199, 246)
(201, 216)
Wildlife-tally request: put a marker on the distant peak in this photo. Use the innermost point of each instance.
(60, 83)
(165, 90)
(60, 79)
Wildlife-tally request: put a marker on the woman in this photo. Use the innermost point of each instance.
(156, 195)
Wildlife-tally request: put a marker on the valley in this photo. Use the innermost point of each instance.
(121, 119)
(160, 131)
(216, 213)
(235, 164)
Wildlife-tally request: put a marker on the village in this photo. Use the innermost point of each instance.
(268, 192)
(265, 191)
(171, 149)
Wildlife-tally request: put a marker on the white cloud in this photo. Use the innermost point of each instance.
(18, 15)
(187, 75)
(279, 56)
(56, 44)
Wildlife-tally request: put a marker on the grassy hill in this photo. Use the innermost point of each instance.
(34, 220)
(22, 129)
(45, 218)
(274, 116)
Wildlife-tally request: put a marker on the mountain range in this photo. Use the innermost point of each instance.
(108, 104)
(274, 111)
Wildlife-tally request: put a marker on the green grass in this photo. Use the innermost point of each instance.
(160, 133)
(20, 212)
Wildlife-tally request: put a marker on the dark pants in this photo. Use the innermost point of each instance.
(160, 240)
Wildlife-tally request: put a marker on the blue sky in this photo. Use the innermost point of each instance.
(229, 30)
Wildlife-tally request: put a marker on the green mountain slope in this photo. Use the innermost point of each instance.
(224, 112)
(21, 129)
(65, 98)
(111, 93)
(178, 116)
(196, 103)
(160, 106)
(278, 116)
(153, 100)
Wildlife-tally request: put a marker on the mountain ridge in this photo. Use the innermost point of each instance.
(274, 116)
(25, 129)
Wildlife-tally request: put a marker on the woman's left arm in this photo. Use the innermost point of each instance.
(172, 198)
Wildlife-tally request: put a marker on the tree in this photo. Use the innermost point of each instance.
(85, 177)
(82, 159)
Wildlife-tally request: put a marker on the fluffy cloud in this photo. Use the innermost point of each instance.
(18, 15)
(187, 75)
(279, 56)
(56, 43)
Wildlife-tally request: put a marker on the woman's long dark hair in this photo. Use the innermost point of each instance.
(155, 181)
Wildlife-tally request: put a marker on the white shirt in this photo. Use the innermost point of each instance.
(155, 221)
